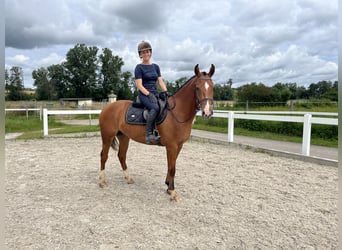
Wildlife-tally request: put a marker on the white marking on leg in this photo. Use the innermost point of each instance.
(173, 195)
(102, 178)
(127, 177)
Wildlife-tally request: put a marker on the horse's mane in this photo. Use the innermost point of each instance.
(205, 73)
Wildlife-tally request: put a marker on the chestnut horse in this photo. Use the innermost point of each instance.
(196, 94)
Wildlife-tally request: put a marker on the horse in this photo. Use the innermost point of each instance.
(194, 95)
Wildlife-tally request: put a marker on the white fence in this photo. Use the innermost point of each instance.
(47, 112)
(27, 110)
(304, 117)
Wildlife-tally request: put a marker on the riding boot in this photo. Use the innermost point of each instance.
(150, 124)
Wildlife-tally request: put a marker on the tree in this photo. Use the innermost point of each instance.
(280, 92)
(15, 83)
(301, 93)
(112, 79)
(124, 89)
(173, 87)
(81, 70)
(180, 82)
(332, 93)
(170, 86)
(230, 82)
(292, 86)
(317, 90)
(133, 87)
(44, 89)
(254, 93)
(224, 92)
(84, 74)
(57, 79)
(7, 81)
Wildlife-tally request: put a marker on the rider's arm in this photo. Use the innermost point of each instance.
(140, 86)
(162, 84)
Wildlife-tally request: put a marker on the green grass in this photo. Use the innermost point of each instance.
(80, 117)
(32, 127)
(265, 135)
(323, 108)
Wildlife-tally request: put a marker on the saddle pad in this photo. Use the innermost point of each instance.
(135, 116)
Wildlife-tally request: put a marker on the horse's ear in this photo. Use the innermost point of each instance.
(197, 71)
(212, 70)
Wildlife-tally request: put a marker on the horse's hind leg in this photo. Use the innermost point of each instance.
(123, 146)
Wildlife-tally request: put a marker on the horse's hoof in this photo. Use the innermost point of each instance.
(130, 181)
(173, 195)
(102, 179)
(103, 184)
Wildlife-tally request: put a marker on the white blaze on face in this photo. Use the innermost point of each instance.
(206, 85)
(207, 106)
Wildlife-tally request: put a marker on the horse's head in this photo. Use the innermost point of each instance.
(205, 91)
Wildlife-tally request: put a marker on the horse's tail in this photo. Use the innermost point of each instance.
(115, 144)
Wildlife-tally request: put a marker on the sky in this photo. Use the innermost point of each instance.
(267, 41)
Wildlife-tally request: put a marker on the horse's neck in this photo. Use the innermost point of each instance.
(186, 101)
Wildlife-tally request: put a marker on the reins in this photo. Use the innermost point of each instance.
(198, 101)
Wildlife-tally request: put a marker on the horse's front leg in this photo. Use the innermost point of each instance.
(172, 154)
(123, 146)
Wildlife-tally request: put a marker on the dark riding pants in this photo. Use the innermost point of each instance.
(147, 103)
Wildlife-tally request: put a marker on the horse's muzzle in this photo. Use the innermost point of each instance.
(207, 113)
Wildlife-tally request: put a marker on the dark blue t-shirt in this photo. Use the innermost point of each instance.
(149, 75)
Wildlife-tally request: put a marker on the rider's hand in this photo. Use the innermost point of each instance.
(152, 98)
(163, 95)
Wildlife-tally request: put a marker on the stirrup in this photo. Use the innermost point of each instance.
(156, 133)
(152, 138)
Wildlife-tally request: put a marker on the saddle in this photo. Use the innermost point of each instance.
(136, 113)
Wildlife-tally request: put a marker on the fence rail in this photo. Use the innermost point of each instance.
(27, 111)
(47, 112)
(304, 117)
(307, 118)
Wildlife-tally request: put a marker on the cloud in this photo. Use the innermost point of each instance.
(45, 23)
(18, 59)
(137, 16)
(51, 59)
(262, 40)
(292, 65)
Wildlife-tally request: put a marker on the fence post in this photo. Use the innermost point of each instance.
(231, 126)
(45, 122)
(306, 135)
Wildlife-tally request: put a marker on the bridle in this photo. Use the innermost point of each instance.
(197, 90)
(198, 101)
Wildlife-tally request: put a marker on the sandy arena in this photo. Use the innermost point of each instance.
(231, 198)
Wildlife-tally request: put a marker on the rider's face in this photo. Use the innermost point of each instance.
(145, 55)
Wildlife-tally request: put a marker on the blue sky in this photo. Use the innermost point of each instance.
(264, 41)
